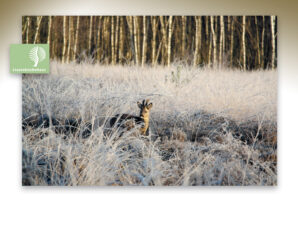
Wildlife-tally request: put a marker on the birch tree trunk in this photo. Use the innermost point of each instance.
(273, 41)
(214, 41)
(164, 40)
(144, 41)
(243, 42)
(262, 45)
(153, 23)
(76, 43)
(222, 41)
(135, 40)
(116, 39)
(28, 29)
(49, 31)
(169, 41)
(36, 38)
(209, 38)
(121, 40)
(183, 35)
(64, 40)
(112, 41)
(198, 40)
(90, 35)
(70, 38)
(98, 53)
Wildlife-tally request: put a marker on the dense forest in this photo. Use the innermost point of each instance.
(245, 42)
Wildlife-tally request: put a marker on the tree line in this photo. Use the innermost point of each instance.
(246, 42)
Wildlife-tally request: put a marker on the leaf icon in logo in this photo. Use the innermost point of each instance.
(37, 54)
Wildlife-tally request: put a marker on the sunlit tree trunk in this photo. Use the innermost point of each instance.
(116, 39)
(273, 41)
(183, 35)
(64, 39)
(36, 38)
(76, 43)
(214, 41)
(112, 40)
(28, 29)
(209, 38)
(222, 41)
(164, 40)
(169, 46)
(135, 35)
(90, 35)
(144, 41)
(153, 23)
(121, 40)
(197, 41)
(70, 38)
(25, 26)
(49, 30)
(243, 42)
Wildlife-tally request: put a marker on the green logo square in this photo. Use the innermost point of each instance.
(29, 58)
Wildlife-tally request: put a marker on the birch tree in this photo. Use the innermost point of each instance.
(121, 39)
(28, 29)
(135, 24)
(36, 38)
(112, 40)
(198, 40)
(90, 34)
(243, 42)
(169, 41)
(144, 41)
(214, 41)
(64, 39)
(76, 42)
(49, 30)
(222, 41)
(273, 41)
(153, 23)
(183, 35)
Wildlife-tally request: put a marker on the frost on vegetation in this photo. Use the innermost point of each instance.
(207, 127)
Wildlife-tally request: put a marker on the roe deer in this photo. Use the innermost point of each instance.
(127, 121)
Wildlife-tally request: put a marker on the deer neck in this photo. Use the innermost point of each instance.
(146, 124)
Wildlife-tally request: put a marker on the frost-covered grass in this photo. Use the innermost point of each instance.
(207, 127)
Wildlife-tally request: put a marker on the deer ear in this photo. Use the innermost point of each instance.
(139, 104)
(149, 106)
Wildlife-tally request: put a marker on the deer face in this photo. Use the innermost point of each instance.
(144, 108)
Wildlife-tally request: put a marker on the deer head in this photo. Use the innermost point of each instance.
(144, 108)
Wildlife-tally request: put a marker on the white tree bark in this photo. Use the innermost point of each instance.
(222, 41)
(214, 41)
(169, 41)
(273, 18)
(144, 41)
(76, 43)
(243, 42)
(197, 40)
(135, 40)
(64, 40)
(90, 35)
(36, 38)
